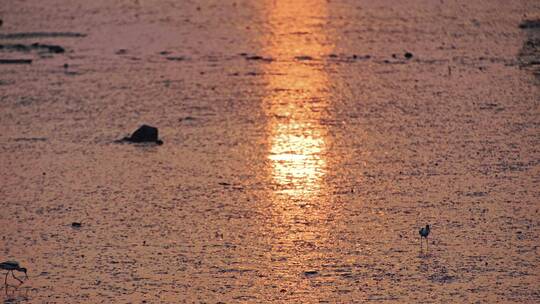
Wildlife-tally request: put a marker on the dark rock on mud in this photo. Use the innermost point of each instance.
(144, 133)
(408, 55)
(76, 225)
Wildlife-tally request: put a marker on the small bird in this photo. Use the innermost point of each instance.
(10, 266)
(424, 232)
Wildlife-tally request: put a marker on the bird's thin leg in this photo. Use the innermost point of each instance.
(427, 247)
(420, 243)
(13, 274)
(5, 280)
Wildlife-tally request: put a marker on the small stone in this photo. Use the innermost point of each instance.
(76, 225)
(408, 55)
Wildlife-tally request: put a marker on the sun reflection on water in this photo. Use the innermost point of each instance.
(297, 103)
(298, 98)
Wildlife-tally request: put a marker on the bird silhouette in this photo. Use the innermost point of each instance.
(11, 266)
(424, 232)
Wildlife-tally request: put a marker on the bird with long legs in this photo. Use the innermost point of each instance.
(424, 232)
(11, 266)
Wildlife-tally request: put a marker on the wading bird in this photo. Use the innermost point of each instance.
(424, 232)
(10, 266)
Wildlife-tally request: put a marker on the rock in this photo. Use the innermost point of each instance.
(408, 55)
(144, 133)
(76, 225)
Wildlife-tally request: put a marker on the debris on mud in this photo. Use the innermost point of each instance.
(529, 55)
(348, 58)
(187, 118)
(175, 58)
(530, 24)
(51, 48)
(28, 35)
(303, 58)
(256, 57)
(144, 133)
(15, 61)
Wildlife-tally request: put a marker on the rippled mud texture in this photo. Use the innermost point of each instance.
(306, 143)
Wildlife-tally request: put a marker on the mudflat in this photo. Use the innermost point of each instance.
(305, 143)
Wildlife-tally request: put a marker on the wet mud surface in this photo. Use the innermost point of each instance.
(305, 143)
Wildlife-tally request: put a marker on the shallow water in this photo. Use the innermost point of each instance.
(302, 152)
